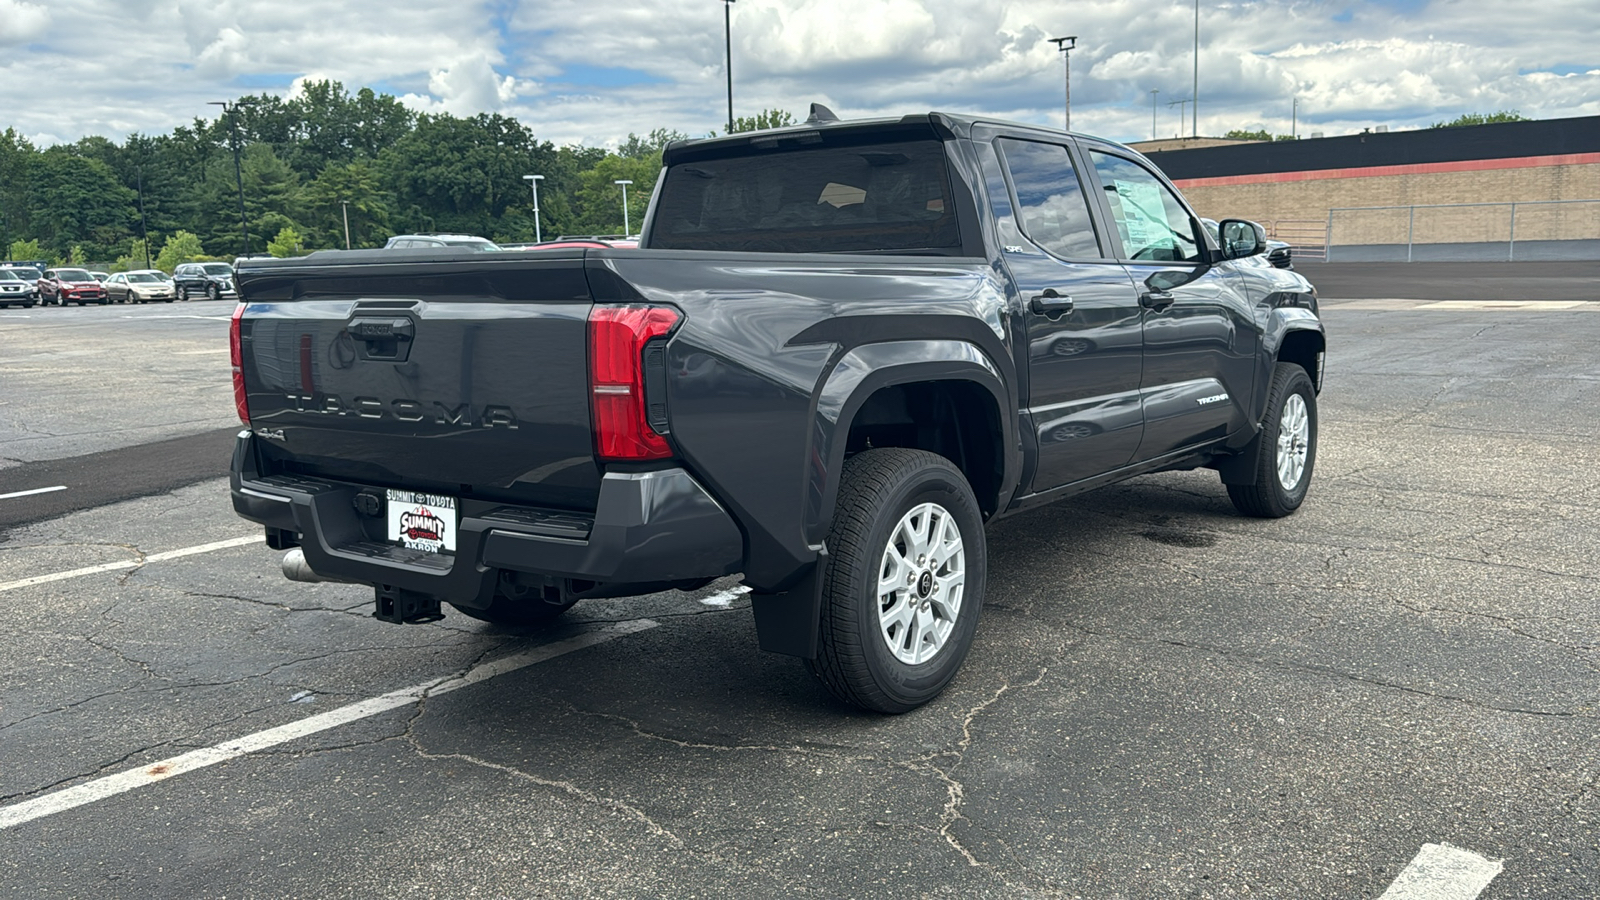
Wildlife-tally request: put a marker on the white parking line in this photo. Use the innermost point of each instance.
(122, 782)
(725, 598)
(1442, 872)
(129, 563)
(59, 487)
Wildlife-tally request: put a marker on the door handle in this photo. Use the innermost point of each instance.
(1050, 303)
(1156, 300)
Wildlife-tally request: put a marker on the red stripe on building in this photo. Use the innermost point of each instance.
(1465, 165)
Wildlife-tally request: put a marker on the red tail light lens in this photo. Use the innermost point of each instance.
(236, 354)
(617, 337)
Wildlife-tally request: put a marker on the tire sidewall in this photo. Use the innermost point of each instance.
(913, 685)
(1296, 382)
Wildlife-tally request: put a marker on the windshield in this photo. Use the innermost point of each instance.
(478, 244)
(838, 199)
(218, 269)
(73, 275)
(8, 275)
(143, 278)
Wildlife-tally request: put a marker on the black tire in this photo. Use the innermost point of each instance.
(517, 607)
(213, 293)
(1267, 497)
(877, 490)
(183, 292)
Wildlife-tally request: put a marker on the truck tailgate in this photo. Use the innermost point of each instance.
(458, 373)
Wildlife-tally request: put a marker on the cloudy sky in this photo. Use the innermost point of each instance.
(591, 71)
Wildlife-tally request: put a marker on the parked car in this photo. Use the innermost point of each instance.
(212, 280)
(412, 241)
(99, 276)
(69, 285)
(140, 286)
(818, 371)
(14, 289)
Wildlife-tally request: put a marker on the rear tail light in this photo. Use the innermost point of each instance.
(618, 336)
(236, 354)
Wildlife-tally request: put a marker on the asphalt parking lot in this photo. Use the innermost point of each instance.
(1165, 699)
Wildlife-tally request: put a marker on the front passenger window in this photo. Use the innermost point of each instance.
(1153, 225)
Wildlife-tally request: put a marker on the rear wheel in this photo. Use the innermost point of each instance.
(1287, 449)
(904, 580)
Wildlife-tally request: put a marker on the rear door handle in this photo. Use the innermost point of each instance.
(1156, 300)
(1050, 303)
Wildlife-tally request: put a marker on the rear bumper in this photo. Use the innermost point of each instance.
(648, 528)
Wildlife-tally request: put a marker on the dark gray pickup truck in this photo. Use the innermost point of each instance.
(840, 349)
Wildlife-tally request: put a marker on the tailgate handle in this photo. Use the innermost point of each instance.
(386, 338)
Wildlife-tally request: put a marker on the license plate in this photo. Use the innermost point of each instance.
(424, 522)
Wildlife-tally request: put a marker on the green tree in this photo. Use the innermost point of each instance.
(767, 118)
(1494, 118)
(287, 243)
(599, 197)
(26, 250)
(650, 145)
(323, 204)
(181, 248)
(80, 201)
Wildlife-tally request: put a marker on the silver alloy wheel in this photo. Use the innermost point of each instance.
(921, 581)
(1294, 441)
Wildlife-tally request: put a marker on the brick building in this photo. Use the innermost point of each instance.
(1403, 194)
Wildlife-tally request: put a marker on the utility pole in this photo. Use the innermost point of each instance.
(1294, 119)
(727, 31)
(627, 226)
(1066, 46)
(1153, 93)
(238, 177)
(345, 206)
(1181, 105)
(144, 233)
(534, 180)
(1194, 96)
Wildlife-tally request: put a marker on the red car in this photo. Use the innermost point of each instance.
(63, 286)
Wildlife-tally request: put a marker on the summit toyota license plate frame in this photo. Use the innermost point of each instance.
(421, 521)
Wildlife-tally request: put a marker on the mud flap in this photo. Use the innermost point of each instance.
(787, 623)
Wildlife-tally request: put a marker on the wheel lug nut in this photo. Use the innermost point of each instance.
(921, 560)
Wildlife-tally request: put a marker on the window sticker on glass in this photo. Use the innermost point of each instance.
(1145, 216)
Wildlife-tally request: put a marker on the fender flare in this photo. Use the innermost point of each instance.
(868, 368)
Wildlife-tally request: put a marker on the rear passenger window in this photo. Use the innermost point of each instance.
(1050, 202)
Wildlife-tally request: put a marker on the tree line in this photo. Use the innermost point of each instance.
(305, 161)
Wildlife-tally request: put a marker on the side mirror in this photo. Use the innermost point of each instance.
(1241, 238)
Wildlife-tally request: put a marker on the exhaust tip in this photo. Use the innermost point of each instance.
(296, 569)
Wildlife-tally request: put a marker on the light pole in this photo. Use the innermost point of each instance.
(1294, 119)
(534, 180)
(1194, 96)
(1181, 105)
(345, 206)
(238, 177)
(144, 232)
(1066, 45)
(727, 31)
(1153, 93)
(627, 227)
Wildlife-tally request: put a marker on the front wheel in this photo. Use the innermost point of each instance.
(1286, 450)
(183, 292)
(904, 580)
(213, 293)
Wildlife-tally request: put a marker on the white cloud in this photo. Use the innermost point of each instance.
(548, 61)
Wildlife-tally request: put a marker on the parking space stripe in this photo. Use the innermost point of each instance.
(1444, 872)
(152, 773)
(130, 563)
(59, 487)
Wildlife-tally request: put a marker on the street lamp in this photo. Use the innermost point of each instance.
(1194, 96)
(534, 181)
(627, 227)
(1153, 93)
(1066, 46)
(1180, 104)
(345, 206)
(727, 32)
(238, 177)
(144, 232)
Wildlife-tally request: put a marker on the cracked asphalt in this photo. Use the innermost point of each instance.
(1165, 699)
